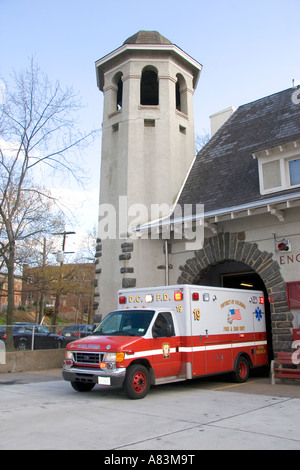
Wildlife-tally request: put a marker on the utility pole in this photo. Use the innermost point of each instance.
(61, 260)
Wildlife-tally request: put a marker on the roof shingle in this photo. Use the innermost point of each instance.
(224, 173)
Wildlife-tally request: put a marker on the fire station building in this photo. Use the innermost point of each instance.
(246, 179)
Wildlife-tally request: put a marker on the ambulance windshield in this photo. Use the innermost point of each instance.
(125, 323)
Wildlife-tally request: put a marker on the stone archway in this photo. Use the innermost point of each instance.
(233, 247)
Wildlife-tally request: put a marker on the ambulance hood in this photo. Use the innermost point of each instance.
(104, 343)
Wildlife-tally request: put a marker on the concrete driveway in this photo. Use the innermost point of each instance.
(42, 411)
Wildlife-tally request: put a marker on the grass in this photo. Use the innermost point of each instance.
(30, 316)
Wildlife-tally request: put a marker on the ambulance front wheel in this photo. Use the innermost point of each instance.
(137, 382)
(241, 370)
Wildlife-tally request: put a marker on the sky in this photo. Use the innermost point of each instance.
(248, 50)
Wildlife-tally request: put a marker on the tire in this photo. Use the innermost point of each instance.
(137, 382)
(22, 346)
(241, 370)
(82, 386)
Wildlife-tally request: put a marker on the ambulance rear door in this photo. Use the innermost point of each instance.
(259, 328)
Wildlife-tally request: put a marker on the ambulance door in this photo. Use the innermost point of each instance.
(165, 346)
(260, 334)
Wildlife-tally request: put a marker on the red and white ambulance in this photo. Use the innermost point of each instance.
(171, 333)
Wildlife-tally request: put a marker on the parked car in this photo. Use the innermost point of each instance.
(26, 334)
(2, 332)
(73, 332)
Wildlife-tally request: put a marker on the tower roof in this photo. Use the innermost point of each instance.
(141, 44)
(147, 37)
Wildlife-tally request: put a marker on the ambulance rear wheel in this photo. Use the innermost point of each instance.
(241, 370)
(137, 382)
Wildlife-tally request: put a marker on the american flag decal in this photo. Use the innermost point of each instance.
(235, 314)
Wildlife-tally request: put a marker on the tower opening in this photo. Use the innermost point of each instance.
(149, 87)
(181, 94)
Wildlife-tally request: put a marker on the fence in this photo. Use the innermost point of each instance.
(28, 336)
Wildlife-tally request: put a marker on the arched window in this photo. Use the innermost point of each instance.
(120, 93)
(117, 93)
(181, 94)
(149, 87)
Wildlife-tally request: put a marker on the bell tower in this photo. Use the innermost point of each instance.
(148, 146)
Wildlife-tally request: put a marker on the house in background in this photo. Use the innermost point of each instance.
(3, 292)
(70, 287)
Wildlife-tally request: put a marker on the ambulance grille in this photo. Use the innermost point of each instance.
(87, 357)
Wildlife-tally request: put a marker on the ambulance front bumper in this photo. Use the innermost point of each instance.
(114, 378)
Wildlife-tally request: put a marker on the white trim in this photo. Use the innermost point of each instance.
(191, 349)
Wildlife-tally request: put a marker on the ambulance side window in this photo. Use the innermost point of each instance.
(163, 326)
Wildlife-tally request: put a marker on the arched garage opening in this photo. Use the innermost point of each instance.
(228, 260)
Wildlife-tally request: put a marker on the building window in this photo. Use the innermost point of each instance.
(120, 94)
(117, 92)
(278, 171)
(293, 294)
(271, 175)
(149, 87)
(181, 94)
(294, 170)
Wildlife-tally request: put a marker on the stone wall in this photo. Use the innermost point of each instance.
(21, 361)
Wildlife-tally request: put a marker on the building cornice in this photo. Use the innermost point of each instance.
(274, 206)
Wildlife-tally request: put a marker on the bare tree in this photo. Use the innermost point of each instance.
(201, 140)
(38, 138)
(87, 247)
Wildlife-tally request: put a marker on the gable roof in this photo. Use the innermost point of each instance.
(224, 173)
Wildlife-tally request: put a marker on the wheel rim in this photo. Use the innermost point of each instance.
(139, 382)
(243, 370)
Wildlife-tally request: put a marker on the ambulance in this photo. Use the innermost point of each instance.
(168, 334)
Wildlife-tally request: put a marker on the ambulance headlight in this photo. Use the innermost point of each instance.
(68, 359)
(68, 355)
(113, 357)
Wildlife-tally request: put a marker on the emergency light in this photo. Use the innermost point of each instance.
(122, 300)
(178, 296)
